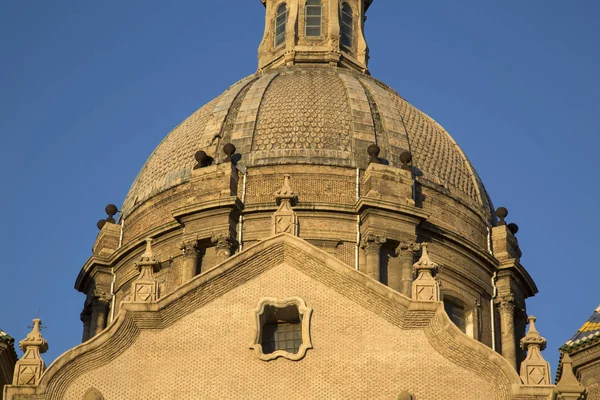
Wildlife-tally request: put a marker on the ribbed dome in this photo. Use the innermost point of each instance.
(302, 115)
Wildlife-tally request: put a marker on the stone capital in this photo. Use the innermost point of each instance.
(224, 243)
(407, 249)
(189, 248)
(372, 242)
(506, 303)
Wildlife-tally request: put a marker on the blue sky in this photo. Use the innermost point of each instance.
(88, 89)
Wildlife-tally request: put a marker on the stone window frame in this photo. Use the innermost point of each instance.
(344, 48)
(260, 320)
(470, 317)
(277, 45)
(321, 20)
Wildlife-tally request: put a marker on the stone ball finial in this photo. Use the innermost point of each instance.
(229, 150)
(373, 152)
(514, 228)
(203, 159)
(100, 224)
(501, 212)
(111, 210)
(406, 158)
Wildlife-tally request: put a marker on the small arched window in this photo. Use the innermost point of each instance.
(313, 18)
(456, 311)
(280, 24)
(346, 26)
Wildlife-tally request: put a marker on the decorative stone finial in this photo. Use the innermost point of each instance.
(111, 211)
(425, 287)
(373, 152)
(229, 150)
(30, 367)
(405, 159)
(501, 212)
(202, 159)
(513, 228)
(145, 287)
(285, 219)
(568, 387)
(286, 193)
(534, 370)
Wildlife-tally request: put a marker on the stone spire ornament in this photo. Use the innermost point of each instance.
(425, 287)
(285, 219)
(30, 367)
(568, 387)
(534, 370)
(145, 287)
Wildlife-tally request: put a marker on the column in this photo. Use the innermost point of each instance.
(100, 307)
(190, 260)
(401, 280)
(225, 245)
(86, 318)
(371, 244)
(506, 306)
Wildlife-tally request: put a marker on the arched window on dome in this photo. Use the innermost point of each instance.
(460, 314)
(346, 27)
(313, 18)
(280, 24)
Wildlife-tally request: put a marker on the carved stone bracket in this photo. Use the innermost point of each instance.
(145, 287)
(30, 367)
(534, 370)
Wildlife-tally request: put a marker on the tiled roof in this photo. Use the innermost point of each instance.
(589, 333)
(5, 337)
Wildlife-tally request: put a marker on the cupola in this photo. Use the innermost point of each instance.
(329, 32)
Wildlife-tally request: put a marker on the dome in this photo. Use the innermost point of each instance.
(312, 115)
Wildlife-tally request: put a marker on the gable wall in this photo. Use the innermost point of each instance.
(206, 354)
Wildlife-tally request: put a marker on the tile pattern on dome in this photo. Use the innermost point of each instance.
(436, 154)
(304, 109)
(589, 333)
(171, 161)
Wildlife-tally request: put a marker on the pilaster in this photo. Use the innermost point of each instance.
(506, 307)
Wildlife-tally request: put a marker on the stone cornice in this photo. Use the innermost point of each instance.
(515, 268)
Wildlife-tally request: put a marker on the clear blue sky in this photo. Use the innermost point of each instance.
(88, 89)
